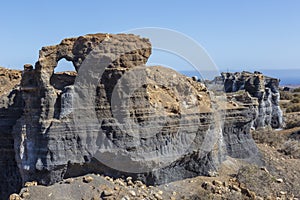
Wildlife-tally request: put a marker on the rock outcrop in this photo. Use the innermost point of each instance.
(265, 89)
(11, 108)
(117, 117)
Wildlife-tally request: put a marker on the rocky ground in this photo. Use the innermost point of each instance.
(8, 79)
(278, 178)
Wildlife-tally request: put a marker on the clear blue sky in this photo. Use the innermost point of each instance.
(259, 34)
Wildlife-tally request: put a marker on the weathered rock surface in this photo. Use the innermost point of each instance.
(265, 89)
(236, 180)
(117, 117)
(11, 109)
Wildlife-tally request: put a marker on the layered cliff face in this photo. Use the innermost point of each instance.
(264, 88)
(11, 108)
(116, 116)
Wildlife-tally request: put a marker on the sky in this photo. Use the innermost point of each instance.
(238, 35)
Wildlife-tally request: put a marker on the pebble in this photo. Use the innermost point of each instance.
(225, 184)
(107, 193)
(207, 185)
(157, 196)
(283, 193)
(88, 179)
(279, 180)
(143, 187)
(25, 195)
(139, 183)
(69, 181)
(117, 188)
(128, 178)
(217, 183)
(120, 182)
(264, 169)
(109, 179)
(236, 188)
(160, 192)
(14, 197)
(28, 184)
(130, 183)
(213, 173)
(132, 193)
(144, 194)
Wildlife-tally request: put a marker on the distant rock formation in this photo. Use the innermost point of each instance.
(150, 123)
(265, 89)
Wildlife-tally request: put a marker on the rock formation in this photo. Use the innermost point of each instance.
(117, 117)
(11, 108)
(264, 88)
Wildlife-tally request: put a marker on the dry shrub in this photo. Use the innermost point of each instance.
(293, 108)
(268, 136)
(291, 148)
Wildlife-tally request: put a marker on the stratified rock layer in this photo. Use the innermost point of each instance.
(265, 89)
(46, 139)
(11, 108)
(116, 116)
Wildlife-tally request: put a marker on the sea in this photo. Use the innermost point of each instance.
(288, 77)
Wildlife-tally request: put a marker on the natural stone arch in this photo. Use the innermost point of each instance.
(64, 66)
(76, 50)
(48, 107)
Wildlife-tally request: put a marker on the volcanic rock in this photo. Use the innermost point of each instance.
(11, 109)
(117, 117)
(265, 89)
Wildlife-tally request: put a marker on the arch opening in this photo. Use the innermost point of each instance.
(64, 66)
(64, 74)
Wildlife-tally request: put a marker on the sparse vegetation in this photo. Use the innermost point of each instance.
(295, 100)
(292, 148)
(292, 123)
(296, 90)
(293, 108)
(268, 136)
(256, 180)
(290, 101)
(285, 95)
